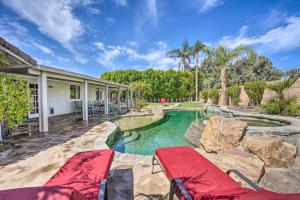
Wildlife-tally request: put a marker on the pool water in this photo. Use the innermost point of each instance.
(168, 131)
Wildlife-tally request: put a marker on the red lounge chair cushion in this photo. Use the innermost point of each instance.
(42, 193)
(201, 178)
(84, 172)
(268, 195)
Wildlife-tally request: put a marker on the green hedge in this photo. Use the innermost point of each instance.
(214, 95)
(204, 95)
(255, 91)
(233, 93)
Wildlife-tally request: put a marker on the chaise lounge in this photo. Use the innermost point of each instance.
(192, 176)
(82, 177)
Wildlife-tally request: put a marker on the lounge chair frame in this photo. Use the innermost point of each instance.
(176, 182)
(103, 190)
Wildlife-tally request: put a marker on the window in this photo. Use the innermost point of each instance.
(98, 94)
(74, 92)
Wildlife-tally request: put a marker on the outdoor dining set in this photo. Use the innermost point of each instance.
(95, 108)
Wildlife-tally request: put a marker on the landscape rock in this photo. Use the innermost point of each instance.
(222, 133)
(285, 180)
(194, 132)
(274, 152)
(177, 105)
(248, 164)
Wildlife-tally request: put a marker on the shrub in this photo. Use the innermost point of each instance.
(291, 106)
(14, 101)
(204, 95)
(255, 91)
(233, 93)
(213, 95)
(282, 106)
(143, 103)
(272, 106)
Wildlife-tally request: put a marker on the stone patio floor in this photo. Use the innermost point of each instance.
(33, 160)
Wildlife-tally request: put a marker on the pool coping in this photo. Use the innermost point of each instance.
(292, 128)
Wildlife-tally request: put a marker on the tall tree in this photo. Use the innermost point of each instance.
(196, 49)
(224, 57)
(183, 54)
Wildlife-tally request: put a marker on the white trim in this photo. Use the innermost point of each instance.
(85, 101)
(77, 84)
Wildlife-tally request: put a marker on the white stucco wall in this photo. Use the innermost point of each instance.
(59, 95)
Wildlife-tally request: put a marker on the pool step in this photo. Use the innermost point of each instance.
(130, 136)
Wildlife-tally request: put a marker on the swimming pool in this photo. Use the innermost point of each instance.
(168, 131)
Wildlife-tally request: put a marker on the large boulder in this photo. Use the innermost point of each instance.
(248, 164)
(222, 133)
(194, 132)
(274, 152)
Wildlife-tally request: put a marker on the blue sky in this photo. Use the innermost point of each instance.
(94, 36)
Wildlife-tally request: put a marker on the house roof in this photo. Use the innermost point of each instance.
(16, 51)
(29, 62)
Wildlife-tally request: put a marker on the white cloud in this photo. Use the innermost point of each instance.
(133, 43)
(273, 18)
(146, 17)
(154, 58)
(52, 17)
(280, 39)
(121, 2)
(99, 45)
(206, 5)
(110, 20)
(44, 49)
(94, 11)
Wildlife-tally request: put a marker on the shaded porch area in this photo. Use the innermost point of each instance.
(62, 128)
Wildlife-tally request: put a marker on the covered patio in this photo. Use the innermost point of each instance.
(55, 92)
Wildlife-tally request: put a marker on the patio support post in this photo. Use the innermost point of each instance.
(127, 99)
(43, 102)
(85, 112)
(131, 100)
(119, 100)
(106, 100)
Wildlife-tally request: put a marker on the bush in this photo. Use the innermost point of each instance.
(282, 106)
(272, 106)
(213, 95)
(143, 103)
(291, 106)
(233, 93)
(255, 91)
(204, 95)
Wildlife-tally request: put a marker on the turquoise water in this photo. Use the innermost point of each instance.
(168, 131)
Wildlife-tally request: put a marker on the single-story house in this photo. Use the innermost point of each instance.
(54, 91)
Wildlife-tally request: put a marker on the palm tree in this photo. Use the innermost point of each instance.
(183, 54)
(225, 57)
(198, 46)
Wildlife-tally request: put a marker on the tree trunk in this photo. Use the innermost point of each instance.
(138, 106)
(197, 92)
(223, 78)
(1, 139)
